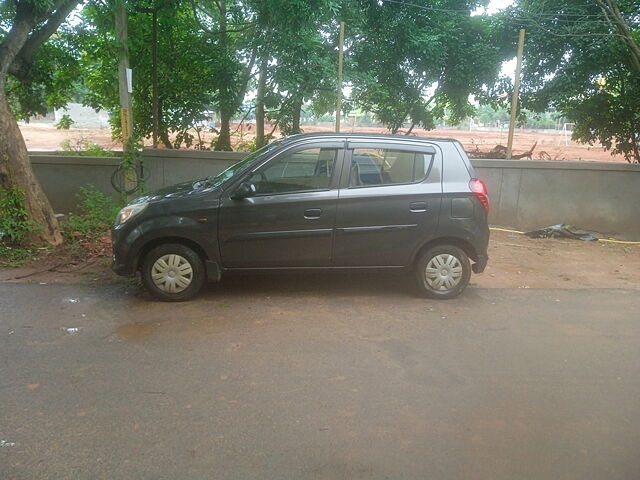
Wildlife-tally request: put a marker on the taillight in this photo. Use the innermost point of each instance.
(480, 189)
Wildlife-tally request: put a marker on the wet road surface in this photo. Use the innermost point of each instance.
(319, 378)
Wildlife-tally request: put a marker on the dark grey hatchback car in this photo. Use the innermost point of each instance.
(320, 201)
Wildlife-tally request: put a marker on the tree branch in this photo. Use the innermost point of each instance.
(23, 23)
(41, 35)
(21, 63)
(195, 17)
(617, 21)
(245, 82)
(241, 27)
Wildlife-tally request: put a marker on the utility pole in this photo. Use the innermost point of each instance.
(339, 89)
(516, 92)
(125, 88)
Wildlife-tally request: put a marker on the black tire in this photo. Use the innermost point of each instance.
(187, 281)
(450, 264)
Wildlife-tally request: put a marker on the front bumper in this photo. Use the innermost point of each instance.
(123, 263)
(122, 268)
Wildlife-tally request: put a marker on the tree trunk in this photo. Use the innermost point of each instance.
(16, 54)
(223, 141)
(166, 141)
(262, 82)
(295, 116)
(230, 105)
(16, 171)
(163, 133)
(154, 76)
(224, 138)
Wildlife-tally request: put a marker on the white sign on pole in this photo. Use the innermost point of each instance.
(129, 80)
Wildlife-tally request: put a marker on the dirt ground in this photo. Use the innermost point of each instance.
(515, 261)
(549, 146)
(41, 137)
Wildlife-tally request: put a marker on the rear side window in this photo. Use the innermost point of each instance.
(382, 166)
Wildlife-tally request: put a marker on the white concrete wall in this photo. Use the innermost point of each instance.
(84, 117)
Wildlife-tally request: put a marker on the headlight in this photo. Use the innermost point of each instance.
(129, 212)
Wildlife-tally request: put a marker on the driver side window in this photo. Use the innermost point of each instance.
(302, 171)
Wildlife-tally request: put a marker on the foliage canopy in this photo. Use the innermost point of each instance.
(408, 63)
(582, 58)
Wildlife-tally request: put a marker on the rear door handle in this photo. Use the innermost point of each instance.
(418, 207)
(312, 213)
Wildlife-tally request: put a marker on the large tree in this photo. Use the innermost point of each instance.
(412, 61)
(229, 26)
(583, 58)
(179, 73)
(30, 23)
(298, 38)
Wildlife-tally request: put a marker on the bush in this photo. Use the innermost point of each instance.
(15, 226)
(14, 256)
(84, 148)
(14, 221)
(65, 122)
(95, 150)
(97, 212)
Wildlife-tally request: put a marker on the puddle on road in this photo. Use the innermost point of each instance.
(135, 331)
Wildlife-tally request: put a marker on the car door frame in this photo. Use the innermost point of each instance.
(433, 176)
(338, 143)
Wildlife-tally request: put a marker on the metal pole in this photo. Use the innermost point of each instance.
(339, 89)
(516, 91)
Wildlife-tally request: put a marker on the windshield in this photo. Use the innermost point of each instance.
(238, 167)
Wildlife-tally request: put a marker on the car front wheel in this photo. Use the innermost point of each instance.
(173, 272)
(443, 272)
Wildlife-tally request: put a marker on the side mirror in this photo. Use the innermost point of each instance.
(244, 190)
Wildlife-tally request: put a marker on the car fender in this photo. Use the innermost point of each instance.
(181, 229)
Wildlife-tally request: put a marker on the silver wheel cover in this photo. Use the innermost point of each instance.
(443, 272)
(172, 273)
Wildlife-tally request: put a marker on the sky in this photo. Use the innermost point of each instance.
(496, 5)
(508, 68)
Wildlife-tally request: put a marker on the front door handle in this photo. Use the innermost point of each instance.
(418, 207)
(312, 213)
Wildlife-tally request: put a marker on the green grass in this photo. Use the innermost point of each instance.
(14, 256)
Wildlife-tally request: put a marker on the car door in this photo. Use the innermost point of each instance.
(388, 203)
(289, 220)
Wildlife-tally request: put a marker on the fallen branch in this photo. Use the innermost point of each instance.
(500, 152)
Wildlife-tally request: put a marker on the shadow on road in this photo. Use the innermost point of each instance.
(323, 284)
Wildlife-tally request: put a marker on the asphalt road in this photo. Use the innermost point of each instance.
(319, 378)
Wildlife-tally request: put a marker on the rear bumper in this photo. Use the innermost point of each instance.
(480, 264)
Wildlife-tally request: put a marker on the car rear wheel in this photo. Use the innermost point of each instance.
(173, 272)
(443, 272)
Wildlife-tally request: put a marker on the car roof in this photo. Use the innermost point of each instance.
(364, 136)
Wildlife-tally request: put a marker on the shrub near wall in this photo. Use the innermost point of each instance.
(15, 227)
